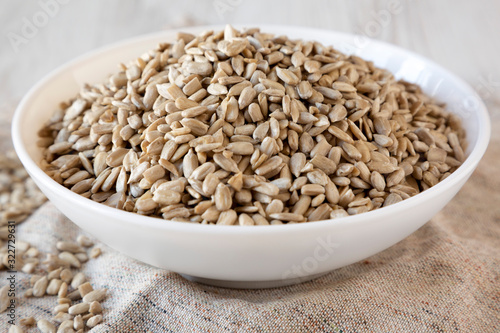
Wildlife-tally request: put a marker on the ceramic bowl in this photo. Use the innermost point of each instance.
(259, 256)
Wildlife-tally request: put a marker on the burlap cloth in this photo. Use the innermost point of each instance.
(443, 278)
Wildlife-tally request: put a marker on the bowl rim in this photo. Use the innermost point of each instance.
(36, 172)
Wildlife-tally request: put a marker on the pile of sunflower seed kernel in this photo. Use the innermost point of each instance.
(78, 307)
(19, 196)
(248, 128)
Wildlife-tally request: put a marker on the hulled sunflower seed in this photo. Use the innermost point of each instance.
(46, 326)
(40, 287)
(79, 308)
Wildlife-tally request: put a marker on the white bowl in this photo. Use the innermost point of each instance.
(259, 256)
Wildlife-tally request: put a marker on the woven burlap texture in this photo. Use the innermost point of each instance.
(443, 278)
